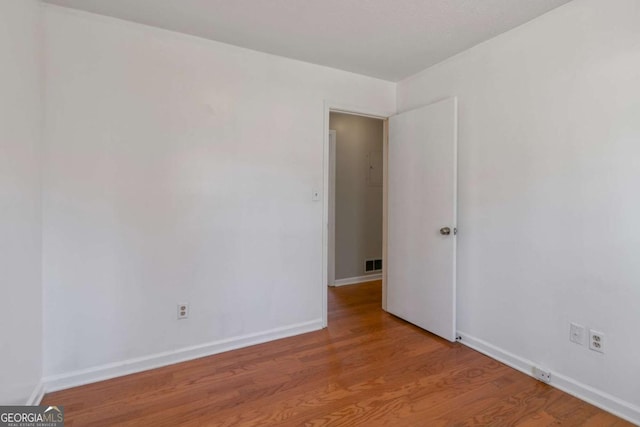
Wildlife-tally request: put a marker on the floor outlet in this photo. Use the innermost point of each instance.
(542, 375)
(596, 341)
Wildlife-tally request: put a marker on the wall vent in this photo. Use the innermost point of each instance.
(372, 265)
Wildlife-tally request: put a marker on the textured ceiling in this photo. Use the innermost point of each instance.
(389, 39)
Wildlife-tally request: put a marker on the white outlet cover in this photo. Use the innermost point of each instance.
(596, 341)
(542, 375)
(576, 333)
(183, 311)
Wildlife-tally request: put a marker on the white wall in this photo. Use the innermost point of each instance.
(549, 161)
(179, 169)
(358, 210)
(20, 208)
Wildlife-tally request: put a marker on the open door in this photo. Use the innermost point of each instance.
(421, 252)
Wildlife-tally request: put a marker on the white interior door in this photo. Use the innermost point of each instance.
(421, 255)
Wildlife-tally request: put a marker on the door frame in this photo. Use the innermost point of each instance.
(331, 221)
(338, 107)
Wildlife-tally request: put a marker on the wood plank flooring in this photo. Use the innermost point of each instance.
(367, 368)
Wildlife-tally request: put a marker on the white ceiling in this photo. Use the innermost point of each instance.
(389, 39)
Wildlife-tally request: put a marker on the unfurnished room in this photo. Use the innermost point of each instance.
(319, 213)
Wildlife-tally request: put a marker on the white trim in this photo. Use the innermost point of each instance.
(131, 366)
(609, 403)
(385, 207)
(331, 221)
(358, 279)
(330, 106)
(37, 395)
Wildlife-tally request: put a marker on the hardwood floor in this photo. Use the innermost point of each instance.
(367, 368)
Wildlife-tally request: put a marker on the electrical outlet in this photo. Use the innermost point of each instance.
(576, 333)
(596, 341)
(183, 311)
(542, 375)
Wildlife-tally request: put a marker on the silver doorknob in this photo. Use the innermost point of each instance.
(445, 231)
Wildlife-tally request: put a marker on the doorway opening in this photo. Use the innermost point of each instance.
(419, 214)
(355, 199)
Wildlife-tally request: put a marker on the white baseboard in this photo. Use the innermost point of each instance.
(37, 395)
(609, 403)
(358, 279)
(131, 366)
